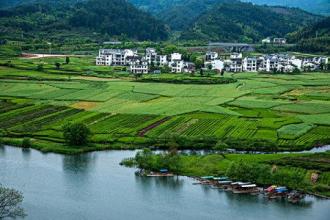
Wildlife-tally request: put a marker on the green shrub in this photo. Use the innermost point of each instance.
(26, 143)
(76, 134)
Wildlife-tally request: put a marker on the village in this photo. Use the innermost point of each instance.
(151, 62)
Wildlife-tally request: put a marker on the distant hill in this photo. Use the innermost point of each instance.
(91, 18)
(314, 6)
(245, 22)
(14, 3)
(314, 38)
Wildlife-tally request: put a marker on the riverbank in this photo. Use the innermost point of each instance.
(296, 171)
(95, 186)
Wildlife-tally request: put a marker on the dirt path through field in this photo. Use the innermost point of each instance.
(142, 132)
(40, 55)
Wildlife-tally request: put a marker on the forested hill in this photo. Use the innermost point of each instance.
(245, 22)
(314, 38)
(314, 6)
(93, 18)
(15, 3)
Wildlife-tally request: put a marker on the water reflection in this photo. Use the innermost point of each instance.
(173, 183)
(81, 163)
(26, 153)
(2, 150)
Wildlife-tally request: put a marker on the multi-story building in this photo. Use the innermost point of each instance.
(211, 56)
(114, 57)
(139, 66)
(217, 65)
(176, 63)
(250, 64)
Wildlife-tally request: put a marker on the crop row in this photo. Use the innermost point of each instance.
(37, 124)
(122, 124)
(29, 115)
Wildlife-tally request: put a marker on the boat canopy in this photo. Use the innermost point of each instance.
(281, 189)
(271, 188)
(240, 183)
(249, 186)
(163, 170)
(225, 182)
(207, 177)
(222, 178)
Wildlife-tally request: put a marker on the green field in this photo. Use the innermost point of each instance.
(290, 112)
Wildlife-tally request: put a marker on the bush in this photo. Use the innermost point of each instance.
(26, 143)
(76, 134)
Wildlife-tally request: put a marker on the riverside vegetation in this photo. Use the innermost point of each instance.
(246, 111)
(292, 170)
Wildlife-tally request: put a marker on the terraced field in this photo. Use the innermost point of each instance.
(291, 111)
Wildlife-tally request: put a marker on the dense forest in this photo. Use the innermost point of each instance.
(314, 38)
(245, 22)
(183, 20)
(314, 6)
(94, 18)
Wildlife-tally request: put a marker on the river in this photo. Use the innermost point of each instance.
(95, 186)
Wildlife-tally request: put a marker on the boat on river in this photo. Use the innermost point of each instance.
(277, 192)
(295, 196)
(246, 189)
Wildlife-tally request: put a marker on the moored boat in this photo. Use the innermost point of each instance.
(246, 188)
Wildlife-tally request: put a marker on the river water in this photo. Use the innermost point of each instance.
(95, 186)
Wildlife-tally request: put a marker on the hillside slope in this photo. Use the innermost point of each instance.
(314, 38)
(314, 6)
(92, 18)
(245, 22)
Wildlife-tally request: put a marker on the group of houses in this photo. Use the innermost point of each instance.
(142, 64)
(266, 63)
(235, 62)
(276, 40)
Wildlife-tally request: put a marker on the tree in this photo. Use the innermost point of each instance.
(10, 200)
(40, 67)
(201, 72)
(76, 134)
(67, 60)
(57, 65)
(222, 72)
(26, 143)
(199, 63)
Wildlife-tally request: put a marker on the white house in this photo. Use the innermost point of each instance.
(279, 41)
(266, 41)
(176, 64)
(139, 66)
(217, 64)
(211, 56)
(250, 64)
(161, 60)
(151, 55)
(114, 57)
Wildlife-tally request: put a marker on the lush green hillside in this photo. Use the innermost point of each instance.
(245, 22)
(178, 14)
(93, 19)
(15, 3)
(314, 6)
(314, 38)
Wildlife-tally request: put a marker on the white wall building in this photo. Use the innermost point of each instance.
(139, 67)
(217, 65)
(211, 56)
(250, 64)
(114, 57)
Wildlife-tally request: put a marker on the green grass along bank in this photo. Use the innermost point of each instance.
(291, 170)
